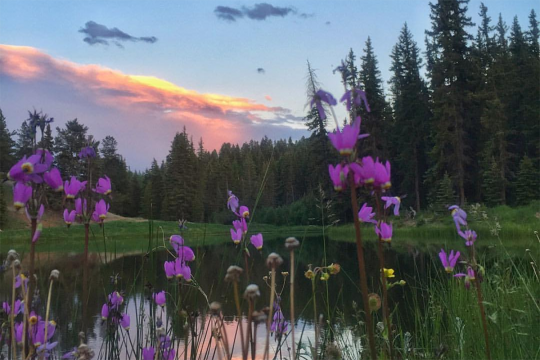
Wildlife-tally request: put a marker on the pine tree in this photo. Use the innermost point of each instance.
(3, 207)
(533, 34)
(67, 144)
(375, 122)
(24, 145)
(445, 195)
(411, 117)
(527, 182)
(450, 73)
(7, 146)
(492, 185)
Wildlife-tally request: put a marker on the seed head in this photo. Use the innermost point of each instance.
(292, 243)
(259, 317)
(233, 273)
(334, 269)
(274, 260)
(252, 292)
(54, 275)
(215, 308)
(374, 302)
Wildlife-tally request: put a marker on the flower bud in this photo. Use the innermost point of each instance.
(334, 269)
(309, 274)
(374, 302)
(325, 276)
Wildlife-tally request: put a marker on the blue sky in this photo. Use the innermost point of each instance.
(200, 53)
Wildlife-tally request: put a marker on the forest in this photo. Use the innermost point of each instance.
(460, 121)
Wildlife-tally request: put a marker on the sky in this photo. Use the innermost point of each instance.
(229, 71)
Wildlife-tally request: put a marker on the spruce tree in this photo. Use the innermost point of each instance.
(67, 144)
(527, 182)
(7, 146)
(450, 72)
(411, 117)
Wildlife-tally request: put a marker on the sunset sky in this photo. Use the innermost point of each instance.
(228, 71)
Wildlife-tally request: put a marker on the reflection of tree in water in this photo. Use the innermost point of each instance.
(135, 274)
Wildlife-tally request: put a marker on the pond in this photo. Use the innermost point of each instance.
(78, 297)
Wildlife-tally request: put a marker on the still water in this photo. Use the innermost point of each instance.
(76, 306)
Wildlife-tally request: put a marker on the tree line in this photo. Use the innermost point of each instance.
(459, 123)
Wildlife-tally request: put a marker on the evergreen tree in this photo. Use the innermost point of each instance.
(375, 122)
(527, 183)
(450, 73)
(67, 144)
(411, 117)
(24, 145)
(3, 207)
(47, 141)
(533, 34)
(445, 195)
(7, 146)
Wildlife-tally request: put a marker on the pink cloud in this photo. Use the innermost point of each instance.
(268, 97)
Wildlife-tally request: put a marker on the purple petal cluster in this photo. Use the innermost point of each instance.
(449, 262)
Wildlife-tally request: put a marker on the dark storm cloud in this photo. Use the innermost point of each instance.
(100, 34)
(261, 70)
(227, 13)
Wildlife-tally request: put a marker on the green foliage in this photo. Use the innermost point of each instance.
(3, 208)
(527, 181)
(7, 146)
(492, 185)
(445, 195)
(67, 144)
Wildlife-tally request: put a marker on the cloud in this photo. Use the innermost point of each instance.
(261, 70)
(327, 23)
(100, 34)
(134, 109)
(268, 97)
(258, 12)
(227, 13)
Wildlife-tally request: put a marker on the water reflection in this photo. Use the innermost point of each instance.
(81, 292)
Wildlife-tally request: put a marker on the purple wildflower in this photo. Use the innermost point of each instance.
(449, 262)
(244, 212)
(115, 299)
(236, 236)
(148, 353)
(176, 241)
(382, 175)
(159, 298)
(257, 241)
(240, 225)
(21, 195)
(87, 152)
(320, 97)
(459, 216)
(232, 201)
(469, 276)
(469, 236)
(70, 355)
(69, 217)
(185, 253)
(356, 97)
(104, 312)
(37, 233)
(384, 231)
(125, 322)
(80, 206)
(366, 214)
(169, 269)
(73, 186)
(54, 179)
(344, 141)
(103, 186)
(338, 175)
(101, 209)
(395, 200)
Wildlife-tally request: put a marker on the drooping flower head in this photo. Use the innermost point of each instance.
(232, 201)
(384, 231)
(125, 322)
(236, 236)
(103, 186)
(159, 298)
(21, 194)
(469, 276)
(449, 262)
(37, 233)
(394, 200)
(116, 299)
(240, 225)
(382, 175)
(244, 212)
(364, 173)
(279, 325)
(69, 217)
(357, 97)
(257, 241)
(185, 253)
(73, 186)
(104, 312)
(80, 206)
(87, 152)
(366, 214)
(338, 175)
(176, 242)
(169, 269)
(459, 216)
(322, 96)
(54, 179)
(101, 209)
(345, 141)
(469, 236)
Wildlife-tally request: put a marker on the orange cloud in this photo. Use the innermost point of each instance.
(114, 88)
